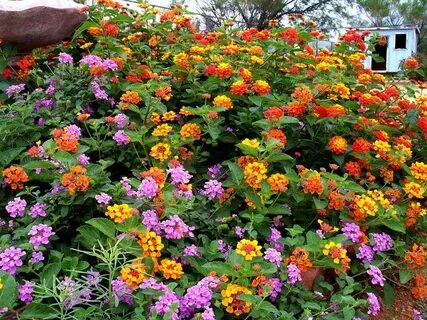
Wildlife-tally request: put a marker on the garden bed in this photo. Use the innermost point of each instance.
(152, 171)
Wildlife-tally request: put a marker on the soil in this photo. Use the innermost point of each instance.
(404, 303)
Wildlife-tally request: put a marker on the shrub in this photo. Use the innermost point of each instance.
(153, 171)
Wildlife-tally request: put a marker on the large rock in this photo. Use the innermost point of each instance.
(34, 23)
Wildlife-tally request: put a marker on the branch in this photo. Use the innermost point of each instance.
(315, 6)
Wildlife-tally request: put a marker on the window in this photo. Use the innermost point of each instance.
(400, 41)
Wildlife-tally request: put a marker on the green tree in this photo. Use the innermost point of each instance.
(382, 12)
(415, 12)
(257, 13)
(397, 12)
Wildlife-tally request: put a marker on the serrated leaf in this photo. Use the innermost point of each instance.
(332, 176)
(277, 157)
(339, 159)
(348, 313)
(278, 209)
(288, 120)
(38, 311)
(311, 305)
(104, 225)
(88, 236)
(49, 273)
(236, 172)
(84, 26)
(389, 295)
(353, 186)
(412, 116)
(219, 267)
(295, 230)
(312, 238)
(9, 155)
(267, 306)
(320, 204)
(252, 196)
(247, 149)
(395, 225)
(249, 298)
(8, 50)
(9, 291)
(256, 100)
(38, 164)
(268, 268)
(405, 275)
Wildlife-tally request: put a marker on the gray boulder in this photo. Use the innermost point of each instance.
(33, 23)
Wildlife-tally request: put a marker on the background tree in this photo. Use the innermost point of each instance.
(415, 12)
(382, 13)
(257, 13)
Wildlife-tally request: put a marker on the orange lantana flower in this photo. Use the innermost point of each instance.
(15, 177)
(75, 180)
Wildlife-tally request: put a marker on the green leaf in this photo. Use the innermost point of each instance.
(279, 210)
(65, 158)
(264, 124)
(8, 50)
(405, 275)
(339, 159)
(253, 217)
(219, 267)
(236, 172)
(295, 230)
(249, 298)
(38, 311)
(395, 225)
(49, 273)
(129, 224)
(256, 100)
(88, 236)
(353, 186)
(38, 164)
(122, 18)
(268, 268)
(267, 306)
(348, 313)
(332, 176)
(312, 238)
(70, 263)
(252, 196)
(104, 225)
(86, 25)
(342, 299)
(278, 156)
(320, 204)
(9, 291)
(9, 155)
(377, 58)
(288, 120)
(411, 116)
(311, 305)
(389, 295)
(247, 149)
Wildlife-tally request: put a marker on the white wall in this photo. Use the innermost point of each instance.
(395, 56)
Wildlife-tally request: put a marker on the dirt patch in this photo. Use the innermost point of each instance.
(403, 304)
(419, 87)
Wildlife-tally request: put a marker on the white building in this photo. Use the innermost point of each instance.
(400, 44)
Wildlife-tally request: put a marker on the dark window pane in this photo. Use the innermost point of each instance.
(400, 41)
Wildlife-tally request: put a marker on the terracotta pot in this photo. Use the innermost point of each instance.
(309, 276)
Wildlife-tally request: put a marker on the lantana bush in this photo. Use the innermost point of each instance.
(153, 171)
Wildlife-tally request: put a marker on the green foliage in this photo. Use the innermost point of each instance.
(163, 166)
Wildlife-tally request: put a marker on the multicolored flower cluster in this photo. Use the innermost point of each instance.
(200, 175)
